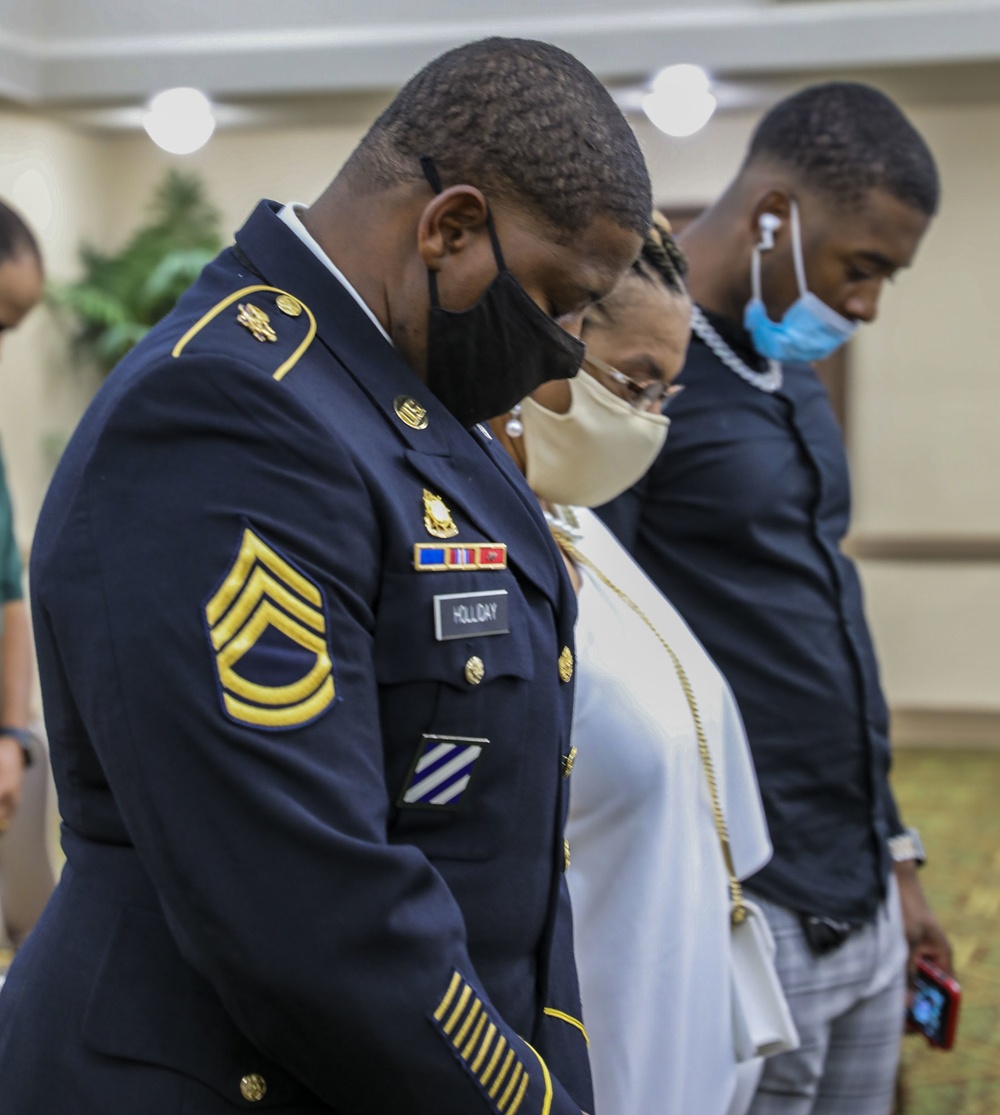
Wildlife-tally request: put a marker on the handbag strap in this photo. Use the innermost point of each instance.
(738, 910)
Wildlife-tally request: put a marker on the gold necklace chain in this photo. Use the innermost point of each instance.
(738, 910)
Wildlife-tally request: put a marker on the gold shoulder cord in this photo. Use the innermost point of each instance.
(738, 911)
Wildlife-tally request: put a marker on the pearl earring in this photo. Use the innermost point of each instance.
(514, 426)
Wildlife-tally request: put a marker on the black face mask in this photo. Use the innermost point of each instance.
(483, 360)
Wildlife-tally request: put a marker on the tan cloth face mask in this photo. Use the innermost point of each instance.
(595, 451)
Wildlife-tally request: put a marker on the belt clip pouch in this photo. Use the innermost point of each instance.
(762, 1022)
(823, 935)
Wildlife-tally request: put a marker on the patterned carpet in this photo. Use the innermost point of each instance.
(952, 796)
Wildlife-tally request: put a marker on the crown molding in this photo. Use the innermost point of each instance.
(756, 37)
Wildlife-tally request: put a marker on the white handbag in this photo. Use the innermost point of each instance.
(762, 1022)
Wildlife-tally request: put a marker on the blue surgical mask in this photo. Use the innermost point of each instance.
(809, 330)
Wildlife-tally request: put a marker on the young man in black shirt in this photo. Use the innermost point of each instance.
(740, 523)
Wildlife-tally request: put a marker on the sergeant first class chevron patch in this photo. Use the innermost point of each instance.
(267, 629)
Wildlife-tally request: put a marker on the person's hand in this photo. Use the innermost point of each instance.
(11, 779)
(925, 938)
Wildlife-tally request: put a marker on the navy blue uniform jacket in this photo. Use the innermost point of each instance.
(314, 851)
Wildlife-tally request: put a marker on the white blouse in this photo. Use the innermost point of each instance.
(649, 886)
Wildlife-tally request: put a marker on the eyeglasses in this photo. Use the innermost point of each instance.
(640, 395)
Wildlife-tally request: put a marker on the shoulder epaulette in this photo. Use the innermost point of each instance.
(256, 318)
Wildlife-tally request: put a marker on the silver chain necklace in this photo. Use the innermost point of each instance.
(769, 381)
(563, 518)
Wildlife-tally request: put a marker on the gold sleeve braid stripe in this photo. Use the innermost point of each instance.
(217, 309)
(569, 1020)
(464, 1021)
(264, 594)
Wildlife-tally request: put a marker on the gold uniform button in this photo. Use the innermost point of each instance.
(568, 761)
(288, 305)
(475, 671)
(410, 411)
(566, 664)
(565, 855)
(253, 1087)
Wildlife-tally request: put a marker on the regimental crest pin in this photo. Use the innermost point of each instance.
(437, 517)
(253, 318)
(267, 629)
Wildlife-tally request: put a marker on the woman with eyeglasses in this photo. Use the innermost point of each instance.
(661, 769)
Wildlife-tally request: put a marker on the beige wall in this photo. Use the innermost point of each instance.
(925, 420)
(238, 167)
(924, 406)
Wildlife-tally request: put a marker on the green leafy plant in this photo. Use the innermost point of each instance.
(121, 296)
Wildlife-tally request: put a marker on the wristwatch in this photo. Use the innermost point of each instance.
(907, 846)
(25, 737)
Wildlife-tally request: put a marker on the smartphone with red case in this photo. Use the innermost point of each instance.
(934, 1011)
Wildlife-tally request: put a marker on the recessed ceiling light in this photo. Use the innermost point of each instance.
(179, 120)
(681, 102)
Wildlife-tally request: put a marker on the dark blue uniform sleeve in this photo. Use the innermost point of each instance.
(249, 767)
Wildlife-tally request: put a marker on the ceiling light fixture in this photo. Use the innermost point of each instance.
(179, 120)
(681, 102)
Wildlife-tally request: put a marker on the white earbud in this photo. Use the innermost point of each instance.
(769, 223)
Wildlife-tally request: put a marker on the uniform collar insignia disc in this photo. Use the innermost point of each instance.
(410, 411)
(288, 305)
(254, 319)
(437, 517)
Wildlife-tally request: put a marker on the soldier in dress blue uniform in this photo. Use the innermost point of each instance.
(306, 647)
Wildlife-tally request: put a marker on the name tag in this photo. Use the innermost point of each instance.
(466, 615)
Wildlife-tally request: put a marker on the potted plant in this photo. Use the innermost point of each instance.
(120, 296)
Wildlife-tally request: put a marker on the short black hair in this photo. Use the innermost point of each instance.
(661, 262)
(845, 139)
(15, 236)
(522, 121)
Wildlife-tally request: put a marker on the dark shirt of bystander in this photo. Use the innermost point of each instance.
(740, 524)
